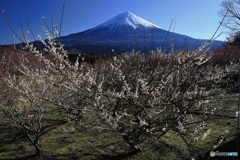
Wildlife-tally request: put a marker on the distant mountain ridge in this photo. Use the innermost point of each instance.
(126, 32)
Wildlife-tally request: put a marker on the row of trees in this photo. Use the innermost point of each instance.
(138, 96)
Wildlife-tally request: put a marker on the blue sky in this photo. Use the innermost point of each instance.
(195, 18)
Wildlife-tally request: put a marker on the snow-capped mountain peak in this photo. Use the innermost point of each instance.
(127, 19)
(126, 32)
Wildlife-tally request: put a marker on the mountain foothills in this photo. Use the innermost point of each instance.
(127, 32)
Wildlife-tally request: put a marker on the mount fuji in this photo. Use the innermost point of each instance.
(127, 32)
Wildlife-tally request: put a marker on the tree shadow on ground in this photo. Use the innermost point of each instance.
(8, 135)
(120, 156)
(10, 138)
(227, 147)
(28, 157)
(45, 156)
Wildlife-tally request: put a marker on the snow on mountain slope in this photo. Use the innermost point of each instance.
(128, 19)
(126, 32)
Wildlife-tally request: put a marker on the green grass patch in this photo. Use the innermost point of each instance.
(90, 138)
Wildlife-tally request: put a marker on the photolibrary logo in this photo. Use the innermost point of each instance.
(223, 154)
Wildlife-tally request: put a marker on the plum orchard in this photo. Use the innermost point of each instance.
(138, 96)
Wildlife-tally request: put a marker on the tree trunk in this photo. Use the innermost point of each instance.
(135, 147)
(38, 151)
(37, 148)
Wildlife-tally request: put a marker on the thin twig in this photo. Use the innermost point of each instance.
(220, 24)
(52, 25)
(213, 36)
(60, 29)
(25, 38)
(167, 34)
(10, 26)
(45, 23)
(33, 36)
